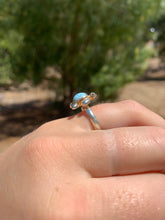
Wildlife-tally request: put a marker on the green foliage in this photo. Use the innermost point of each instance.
(160, 40)
(157, 26)
(93, 43)
(9, 38)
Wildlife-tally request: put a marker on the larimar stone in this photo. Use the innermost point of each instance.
(79, 96)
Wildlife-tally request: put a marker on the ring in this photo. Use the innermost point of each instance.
(83, 100)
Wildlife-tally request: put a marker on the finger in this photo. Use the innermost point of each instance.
(119, 151)
(110, 115)
(126, 113)
(137, 197)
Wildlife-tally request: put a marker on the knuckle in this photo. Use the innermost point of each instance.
(37, 145)
(37, 149)
(133, 105)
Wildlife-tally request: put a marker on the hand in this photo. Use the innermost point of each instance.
(66, 170)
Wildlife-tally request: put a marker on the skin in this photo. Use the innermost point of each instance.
(67, 170)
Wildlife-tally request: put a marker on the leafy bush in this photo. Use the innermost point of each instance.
(92, 43)
(9, 38)
(160, 40)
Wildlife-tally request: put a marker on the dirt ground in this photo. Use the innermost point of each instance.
(17, 121)
(149, 93)
(7, 142)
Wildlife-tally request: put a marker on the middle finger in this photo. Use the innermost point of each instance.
(119, 151)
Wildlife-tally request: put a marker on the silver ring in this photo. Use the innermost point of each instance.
(83, 100)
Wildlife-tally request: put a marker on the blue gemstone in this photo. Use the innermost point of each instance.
(79, 96)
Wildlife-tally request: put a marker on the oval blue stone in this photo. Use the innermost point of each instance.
(79, 96)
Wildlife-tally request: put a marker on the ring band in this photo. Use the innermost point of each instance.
(92, 118)
(82, 100)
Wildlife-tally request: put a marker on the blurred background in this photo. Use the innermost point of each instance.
(52, 49)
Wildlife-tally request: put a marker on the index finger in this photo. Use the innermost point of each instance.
(110, 115)
(125, 114)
